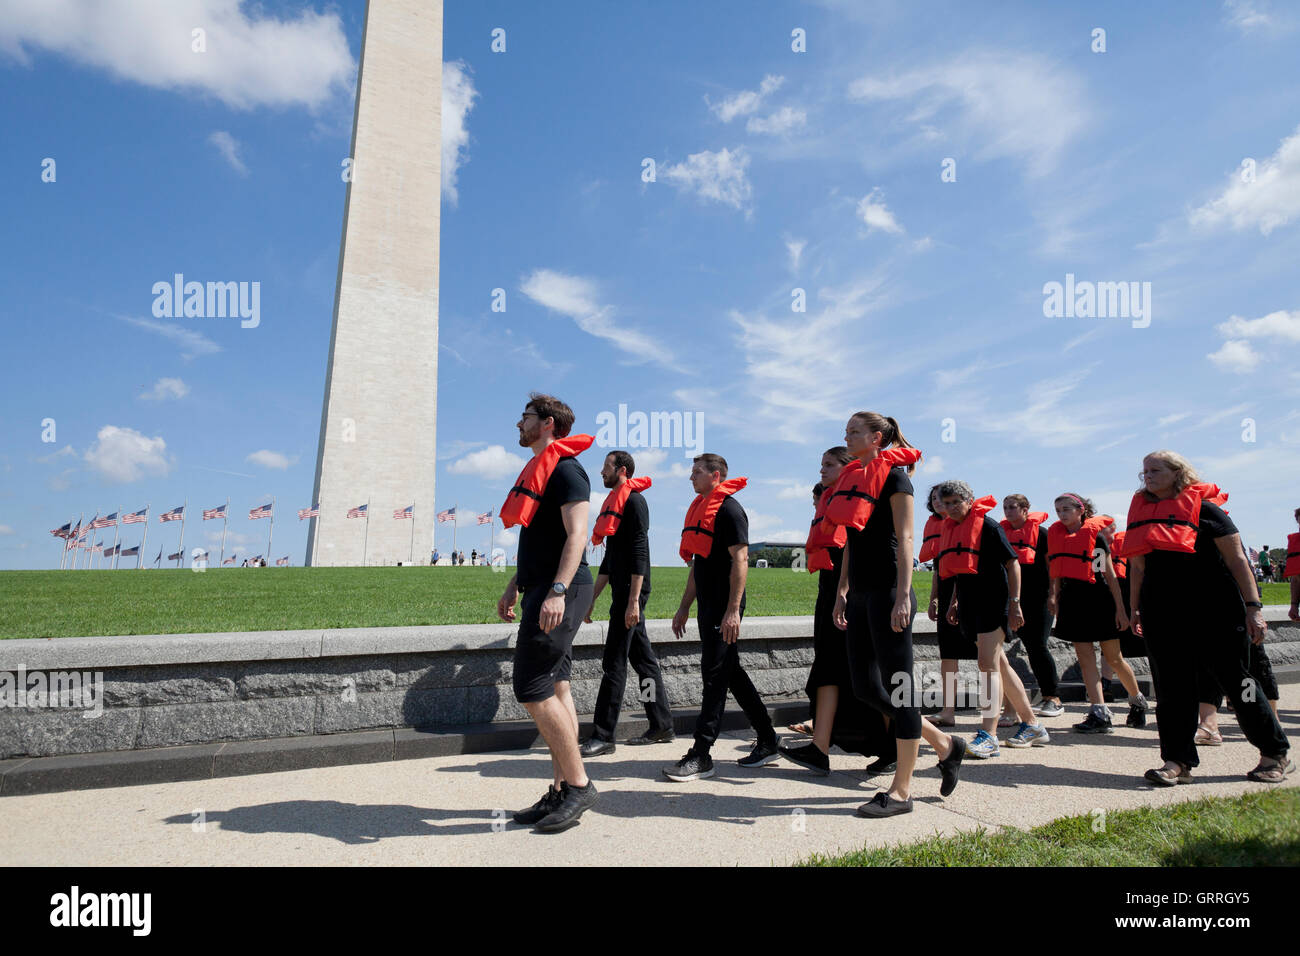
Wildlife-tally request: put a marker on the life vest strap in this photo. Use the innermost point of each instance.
(1070, 554)
(521, 490)
(699, 529)
(855, 493)
(1168, 522)
(612, 514)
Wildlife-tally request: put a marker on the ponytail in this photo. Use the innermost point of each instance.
(890, 434)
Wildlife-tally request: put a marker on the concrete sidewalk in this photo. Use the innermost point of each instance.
(441, 811)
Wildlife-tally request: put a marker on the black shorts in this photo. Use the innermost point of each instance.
(953, 644)
(979, 610)
(541, 659)
(1085, 613)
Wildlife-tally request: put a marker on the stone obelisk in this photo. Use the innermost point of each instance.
(378, 423)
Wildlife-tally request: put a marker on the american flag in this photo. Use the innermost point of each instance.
(281, 562)
(1254, 556)
(229, 560)
(176, 514)
(136, 517)
(358, 512)
(219, 512)
(108, 521)
(86, 529)
(312, 512)
(97, 547)
(485, 518)
(174, 556)
(64, 532)
(130, 552)
(448, 515)
(109, 552)
(403, 512)
(72, 542)
(258, 558)
(263, 511)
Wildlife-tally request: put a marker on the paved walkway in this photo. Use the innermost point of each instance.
(440, 811)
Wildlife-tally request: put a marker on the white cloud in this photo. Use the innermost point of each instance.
(5, 529)
(505, 538)
(576, 297)
(1246, 16)
(746, 101)
(123, 454)
(1272, 200)
(1235, 355)
(250, 60)
(1171, 419)
(930, 465)
(1281, 325)
(229, 148)
(782, 121)
(491, 463)
(1005, 106)
(166, 388)
(458, 95)
(924, 244)
(63, 452)
(717, 176)
(795, 248)
(191, 343)
(271, 459)
(872, 211)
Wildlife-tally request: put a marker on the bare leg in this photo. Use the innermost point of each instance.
(828, 698)
(1111, 652)
(1087, 655)
(990, 645)
(948, 674)
(1013, 688)
(901, 788)
(1209, 717)
(555, 721)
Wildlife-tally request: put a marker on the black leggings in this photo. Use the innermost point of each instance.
(880, 659)
(1033, 635)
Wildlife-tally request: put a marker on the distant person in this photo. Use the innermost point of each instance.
(1291, 568)
(473, 557)
(436, 556)
(1265, 564)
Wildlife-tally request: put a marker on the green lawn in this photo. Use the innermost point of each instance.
(1258, 829)
(75, 603)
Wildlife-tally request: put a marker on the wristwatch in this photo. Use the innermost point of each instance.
(1254, 604)
(558, 588)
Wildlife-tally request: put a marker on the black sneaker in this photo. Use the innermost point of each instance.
(1092, 724)
(763, 753)
(883, 805)
(808, 756)
(1137, 716)
(665, 736)
(691, 767)
(574, 801)
(882, 765)
(539, 809)
(950, 766)
(594, 747)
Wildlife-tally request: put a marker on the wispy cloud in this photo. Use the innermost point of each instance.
(577, 297)
(190, 342)
(229, 148)
(1269, 199)
(873, 211)
(458, 95)
(271, 459)
(718, 177)
(166, 388)
(746, 101)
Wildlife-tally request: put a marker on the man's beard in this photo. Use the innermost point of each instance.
(526, 438)
(609, 482)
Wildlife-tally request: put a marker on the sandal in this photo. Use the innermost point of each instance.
(802, 727)
(939, 722)
(1274, 773)
(1205, 737)
(1165, 777)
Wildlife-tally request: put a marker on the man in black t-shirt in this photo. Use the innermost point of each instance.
(626, 568)
(553, 579)
(717, 581)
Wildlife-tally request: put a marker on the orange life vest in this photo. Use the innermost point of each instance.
(1170, 524)
(524, 498)
(1069, 555)
(959, 548)
(697, 531)
(1117, 548)
(819, 542)
(854, 496)
(611, 512)
(1292, 566)
(1025, 538)
(930, 538)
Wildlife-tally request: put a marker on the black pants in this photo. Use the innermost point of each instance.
(878, 655)
(1033, 635)
(1260, 668)
(1181, 645)
(721, 672)
(621, 647)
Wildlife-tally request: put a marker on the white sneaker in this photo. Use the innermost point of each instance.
(1049, 708)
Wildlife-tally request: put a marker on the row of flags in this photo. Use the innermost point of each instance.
(450, 515)
(80, 530)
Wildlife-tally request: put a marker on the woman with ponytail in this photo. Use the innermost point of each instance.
(1089, 609)
(875, 602)
(839, 718)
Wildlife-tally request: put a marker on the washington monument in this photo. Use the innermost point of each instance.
(378, 422)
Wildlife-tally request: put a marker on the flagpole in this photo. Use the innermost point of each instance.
(411, 558)
(455, 520)
(224, 525)
(315, 532)
(180, 548)
(271, 530)
(76, 555)
(492, 536)
(116, 531)
(139, 558)
(366, 539)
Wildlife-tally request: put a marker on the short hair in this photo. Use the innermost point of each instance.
(548, 406)
(712, 463)
(954, 488)
(1017, 500)
(623, 460)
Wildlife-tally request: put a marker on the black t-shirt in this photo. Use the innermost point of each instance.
(873, 551)
(1174, 575)
(627, 550)
(990, 577)
(713, 574)
(828, 582)
(1034, 579)
(542, 542)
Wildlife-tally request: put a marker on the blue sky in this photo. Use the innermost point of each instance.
(775, 170)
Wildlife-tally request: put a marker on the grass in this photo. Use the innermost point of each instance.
(171, 601)
(1257, 829)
